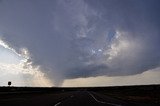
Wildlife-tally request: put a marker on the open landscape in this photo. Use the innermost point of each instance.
(79, 52)
(144, 95)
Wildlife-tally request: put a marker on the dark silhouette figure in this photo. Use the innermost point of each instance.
(9, 83)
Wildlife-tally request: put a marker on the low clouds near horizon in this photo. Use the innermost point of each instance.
(69, 39)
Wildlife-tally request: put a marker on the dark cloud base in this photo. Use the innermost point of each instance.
(73, 39)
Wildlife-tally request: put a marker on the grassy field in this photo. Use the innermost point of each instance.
(142, 94)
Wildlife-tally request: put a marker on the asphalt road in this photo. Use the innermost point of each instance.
(84, 98)
(75, 98)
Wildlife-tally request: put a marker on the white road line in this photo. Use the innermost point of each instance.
(61, 101)
(96, 99)
(57, 104)
(102, 101)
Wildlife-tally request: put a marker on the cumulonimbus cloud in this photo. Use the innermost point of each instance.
(72, 39)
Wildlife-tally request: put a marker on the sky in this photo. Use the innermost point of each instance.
(79, 42)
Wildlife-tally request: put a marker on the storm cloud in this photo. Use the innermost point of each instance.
(84, 38)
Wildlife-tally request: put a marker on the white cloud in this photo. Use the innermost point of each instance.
(16, 73)
(120, 44)
(22, 68)
(4, 44)
(148, 77)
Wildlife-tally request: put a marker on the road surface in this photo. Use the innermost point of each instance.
(89, 99)
(75, 98)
